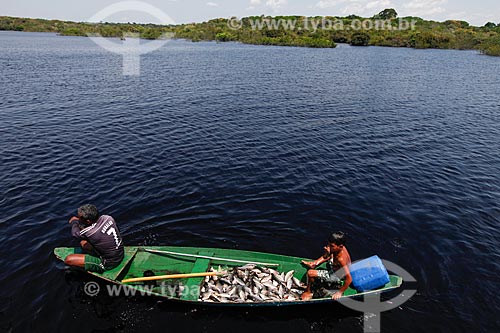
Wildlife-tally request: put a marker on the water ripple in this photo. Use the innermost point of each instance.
(265, 149)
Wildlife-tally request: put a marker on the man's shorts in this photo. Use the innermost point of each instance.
(93, 264)
(329, 277)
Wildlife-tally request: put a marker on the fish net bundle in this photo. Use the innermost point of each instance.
(250, 283)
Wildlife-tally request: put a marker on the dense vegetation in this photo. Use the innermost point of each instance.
(426, 34)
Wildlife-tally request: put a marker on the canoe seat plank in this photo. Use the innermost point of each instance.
(192, 287)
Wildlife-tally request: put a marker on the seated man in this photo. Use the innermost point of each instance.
(99, 237)
(338, 262)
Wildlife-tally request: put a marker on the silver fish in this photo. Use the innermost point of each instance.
(223, 295)
(206, 295)
(215, 298)
(242, 295)
(289, 275)
(250, 283)
(218, 287)
(232, 291)
(269, 285)
(258, 284)
(267, 278)
(241, 274)
(238, 281)
(289, 284)
(276, 276)
(248, 266)
(255, 298)
(225, 280)
(281, 291)
(297, 282)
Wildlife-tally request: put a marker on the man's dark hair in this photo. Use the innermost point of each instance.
(337, 238)
(89, 212)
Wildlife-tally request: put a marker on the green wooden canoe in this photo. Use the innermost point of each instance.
(166, 260)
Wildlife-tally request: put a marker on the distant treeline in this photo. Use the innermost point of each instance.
(383, 29)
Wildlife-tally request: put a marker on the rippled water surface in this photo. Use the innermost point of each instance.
(257, 148)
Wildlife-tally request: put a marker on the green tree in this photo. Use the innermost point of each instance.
(491, 46)
(431, 40)
(456, 24)
(387, 14)
(224, 37)
(360, 39)
(151, 34)
(490, 25)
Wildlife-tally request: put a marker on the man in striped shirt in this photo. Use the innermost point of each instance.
(99, 238)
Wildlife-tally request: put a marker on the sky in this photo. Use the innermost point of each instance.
(183, 11)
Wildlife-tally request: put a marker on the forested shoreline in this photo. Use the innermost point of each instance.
(383, 29)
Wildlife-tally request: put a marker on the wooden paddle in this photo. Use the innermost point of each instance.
(172, 276)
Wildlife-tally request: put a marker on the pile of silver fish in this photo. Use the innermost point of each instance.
(250, 283)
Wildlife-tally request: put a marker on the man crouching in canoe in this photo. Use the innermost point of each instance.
(99, 238)
(338, 262)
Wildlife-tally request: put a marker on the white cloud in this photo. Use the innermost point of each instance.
(358, 7)
(276, 4)
(425, 7)
(253, 4)
(379, 4)
(273, 4)
(330, 3)
(212, 4)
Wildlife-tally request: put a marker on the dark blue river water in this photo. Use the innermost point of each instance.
(257, 148)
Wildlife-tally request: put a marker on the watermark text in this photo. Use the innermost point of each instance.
(323, 24)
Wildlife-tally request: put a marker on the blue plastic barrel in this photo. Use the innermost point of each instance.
(368, 274)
